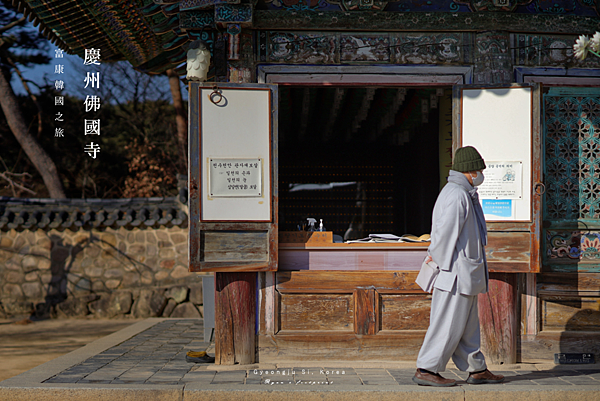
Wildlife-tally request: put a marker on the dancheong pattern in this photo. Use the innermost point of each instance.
(573, 245)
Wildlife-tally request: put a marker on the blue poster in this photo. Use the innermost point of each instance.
(497, 208)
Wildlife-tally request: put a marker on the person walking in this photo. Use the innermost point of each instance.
(458, 239)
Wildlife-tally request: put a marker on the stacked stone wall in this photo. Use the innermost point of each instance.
(104, 272)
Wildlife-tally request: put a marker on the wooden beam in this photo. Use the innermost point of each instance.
(420, 21)
(323, 346)
(346, 282)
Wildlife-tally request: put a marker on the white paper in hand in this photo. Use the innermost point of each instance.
(427, 275)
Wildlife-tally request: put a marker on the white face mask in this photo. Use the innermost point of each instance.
(478, 179)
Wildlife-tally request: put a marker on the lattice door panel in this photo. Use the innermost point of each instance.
(571, 133)
(572, 171)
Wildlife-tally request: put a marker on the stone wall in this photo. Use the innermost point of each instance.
(102, 272)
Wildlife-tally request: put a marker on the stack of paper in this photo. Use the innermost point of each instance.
(392, 238)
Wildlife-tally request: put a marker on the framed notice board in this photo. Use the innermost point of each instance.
(233, 177)
(498, 122)
(503, 122)
(235, 150)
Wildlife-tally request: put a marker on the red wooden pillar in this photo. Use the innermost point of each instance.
(498, 319)
(235, 318)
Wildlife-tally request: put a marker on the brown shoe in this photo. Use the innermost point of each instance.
(484, 377)
(425, 378)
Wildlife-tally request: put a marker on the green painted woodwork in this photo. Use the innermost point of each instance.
(572, 196)
(418, 21)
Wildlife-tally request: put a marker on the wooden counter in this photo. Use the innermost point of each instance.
(341, 315)
(507, 252)
(353, 256)
(339, 301)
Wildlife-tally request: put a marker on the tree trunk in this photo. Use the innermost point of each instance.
(180, 114)
(40, 159)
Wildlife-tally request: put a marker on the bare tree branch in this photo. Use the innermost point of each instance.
(14, 184)
(12, 24)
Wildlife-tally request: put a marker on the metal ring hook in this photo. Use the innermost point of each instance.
(541, 186)
(215, 95)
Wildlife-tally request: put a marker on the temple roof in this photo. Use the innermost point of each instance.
(144, 33)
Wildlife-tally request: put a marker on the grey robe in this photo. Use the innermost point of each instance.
(457, 241)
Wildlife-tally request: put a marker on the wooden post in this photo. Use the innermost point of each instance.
(235, 318)
(366, 311)
(529, 308)
(498, 319)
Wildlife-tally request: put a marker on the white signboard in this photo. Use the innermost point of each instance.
(235, 177)
(234, 130)
(497, 122)
(503, 180)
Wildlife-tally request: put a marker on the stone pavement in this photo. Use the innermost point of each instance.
(155, 356)
(22, 340)
(147, 361)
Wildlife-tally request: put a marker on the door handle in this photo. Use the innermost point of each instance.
(539, 188)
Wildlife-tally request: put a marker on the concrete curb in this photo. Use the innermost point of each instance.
(532, 393)
(193, 392)
(56, 392)
(389, 393)
(349, 393)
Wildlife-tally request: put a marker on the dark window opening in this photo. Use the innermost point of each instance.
(365, 160)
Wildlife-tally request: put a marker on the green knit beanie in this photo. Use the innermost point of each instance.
(467, 159)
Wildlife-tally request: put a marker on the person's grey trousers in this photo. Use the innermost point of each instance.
(453, 332)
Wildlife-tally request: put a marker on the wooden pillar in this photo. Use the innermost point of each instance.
(235, 318)
(498, 319)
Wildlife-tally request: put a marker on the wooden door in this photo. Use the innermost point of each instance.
(572, 198)
(233, 196)
(503, 123)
